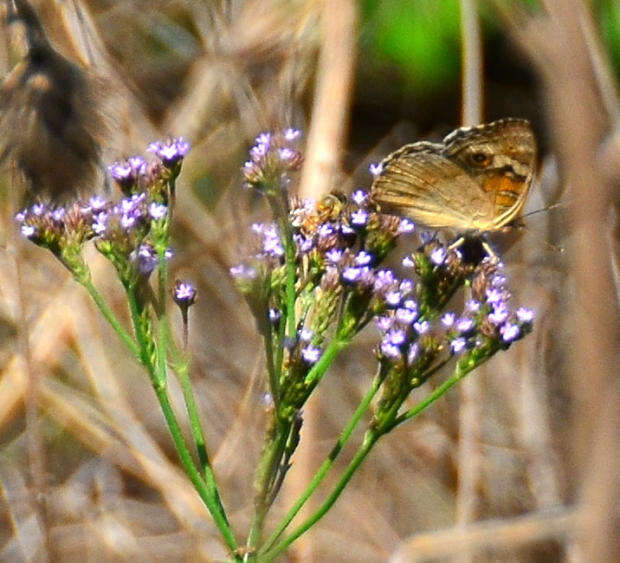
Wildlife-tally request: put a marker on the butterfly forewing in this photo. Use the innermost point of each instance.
(477, 179)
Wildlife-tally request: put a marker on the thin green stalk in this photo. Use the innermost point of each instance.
(327, 464)
(182, 371)
(370, 439)
(463, 367)
(191, 470)
(162, 326)
(110, 316)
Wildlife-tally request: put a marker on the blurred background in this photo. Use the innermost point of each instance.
(518, 464)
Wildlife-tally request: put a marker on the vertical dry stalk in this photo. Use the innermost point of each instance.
(331, 102)
(470, 393)
(559, 45)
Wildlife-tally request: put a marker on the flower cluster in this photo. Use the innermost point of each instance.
(271, 158)
(322, 260)
(128, 231)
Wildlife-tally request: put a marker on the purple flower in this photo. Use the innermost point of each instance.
(406, 316)
(311, 355)
(384, 323)
(334, 255)
(412, 354)
(145, 259)
(243, 272)
(286, 154)
(171, 151)
(458, 344)
(359, 217)
(351, 274)
(472, 306)
(375, 169)
(464, 325)
(383, 279)
(120, 171)
(410, 304)
(28, 231)
(406, 286)
(263, 139)
(421, 327)
(390, 351)
(363, 258)
(393, 298)
(184, 293)
(274, 315)
(509, 332)
(38, 209)
(494, 295)
(157, 210)
(97, 203)
(99, 226)
(448, 319)
(406, 226)
(500, 313)
(127, 221)
(291, 134)
(325, 230)
(408, 262)
(525, 315)
(498, 280)
(359, 197)
(305, 335)
(396, 337)
(438, 255)
(271, 241)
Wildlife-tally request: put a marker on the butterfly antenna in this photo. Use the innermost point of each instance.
(546, 208)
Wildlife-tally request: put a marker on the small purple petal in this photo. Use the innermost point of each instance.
(448, 319)
(525, 315)
(375, 169)
(509, 332)
(438, 255)
(390, 351)
(359, 197)
(311, 355)
(464, 324)
(458, 344)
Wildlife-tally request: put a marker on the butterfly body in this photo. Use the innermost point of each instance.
(477, 179)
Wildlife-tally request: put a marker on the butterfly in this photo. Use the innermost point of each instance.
(476, 180)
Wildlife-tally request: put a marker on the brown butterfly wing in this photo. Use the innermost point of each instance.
(419, 182)
(500, 157)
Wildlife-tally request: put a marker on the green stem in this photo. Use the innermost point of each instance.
(110, 316)
(267, 467)
(191, 470)
(327, 464)
(370, 439)
(463, 367)
(182, 371)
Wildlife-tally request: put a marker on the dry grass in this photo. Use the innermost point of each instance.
(518, 466)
